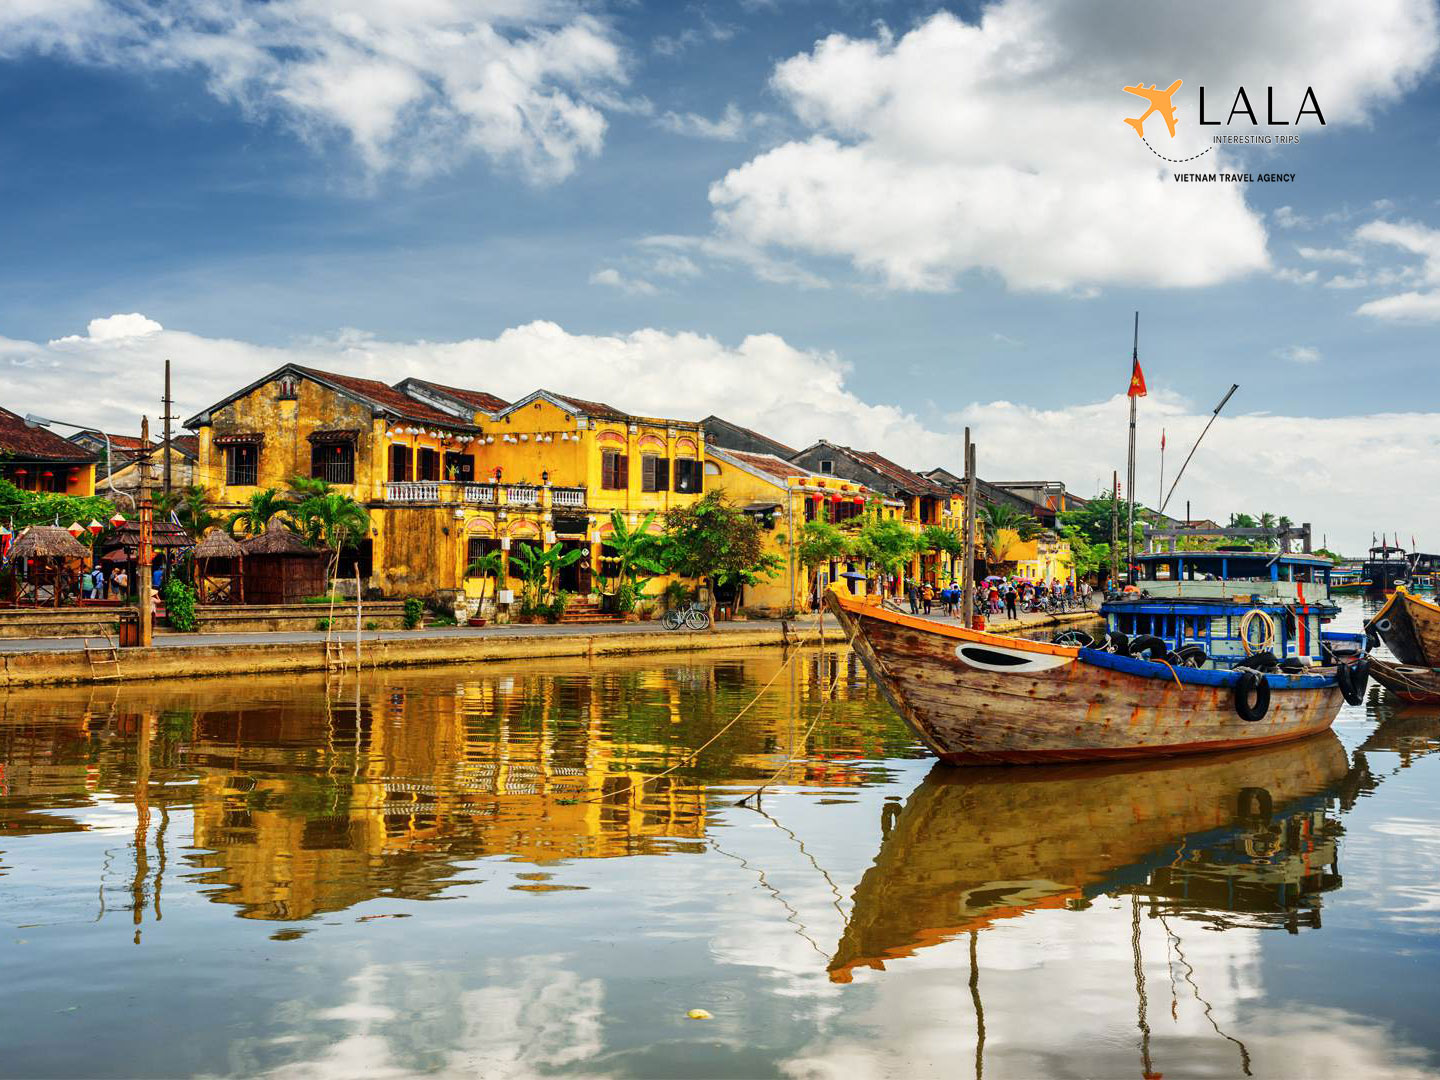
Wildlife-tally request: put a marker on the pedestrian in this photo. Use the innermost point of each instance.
(912, 595)
(1010, 603)
(927, 597)
(157, 576)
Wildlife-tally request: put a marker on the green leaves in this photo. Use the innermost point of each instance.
(714, 539)
(887, 543)
(24, 508)
(817, 542)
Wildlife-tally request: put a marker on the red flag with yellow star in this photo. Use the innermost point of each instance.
(1137, 379)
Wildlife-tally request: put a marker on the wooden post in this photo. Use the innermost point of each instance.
(166, 405)
(967, 601)
(143, 559)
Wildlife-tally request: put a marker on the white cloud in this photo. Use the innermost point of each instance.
(730, 127)
(735, 251)
(413, 85)
(998, 145)
(616, 280)
(118, 327)
(804, 395)
(1340, 255)
(1299, 354)
(1285, 217)
(1297, 277)
(1415, 239)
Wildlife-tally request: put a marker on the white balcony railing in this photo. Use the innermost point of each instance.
(480, 493)
(414, 491)
(520, 495)
(567, 496)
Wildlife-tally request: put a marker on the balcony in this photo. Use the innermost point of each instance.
(567, 497)
(522, 495)
(483, 494)
(413, 491)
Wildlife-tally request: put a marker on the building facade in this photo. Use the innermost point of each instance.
(36, 459)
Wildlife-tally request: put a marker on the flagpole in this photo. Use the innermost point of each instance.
(1130, 469)
(1162, 467)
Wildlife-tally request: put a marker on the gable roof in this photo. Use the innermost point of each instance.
(876, 462)
(776, 469)
(477, 399)
(36, 443)
(383, 399)
(774, 446)
(591, 408)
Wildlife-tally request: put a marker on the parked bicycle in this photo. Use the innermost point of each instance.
(694, 616)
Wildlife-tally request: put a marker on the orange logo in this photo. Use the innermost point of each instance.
(1159, 102)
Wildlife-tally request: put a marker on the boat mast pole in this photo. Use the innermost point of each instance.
(1114, 527)
(1130, 470)
(1216, 412)
(967, 595)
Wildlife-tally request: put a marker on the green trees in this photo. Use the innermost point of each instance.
(334, 521)
(1002, 526)
(191, 505)
(636, 551)
(538, 567)
(818, 542)
(21, 508)
(945, 541)
(886, 543)
(716, 542)
(256, 515)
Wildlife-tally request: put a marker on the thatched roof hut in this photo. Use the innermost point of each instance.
(47, 542)
(219, 545)
(164, 535)
(280, 568)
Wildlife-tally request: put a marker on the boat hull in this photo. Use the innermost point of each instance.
(1420, 685)
(980, 699)
(1410, 628)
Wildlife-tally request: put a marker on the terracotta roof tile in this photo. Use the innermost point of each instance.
(592, 408)
(37, 443)
(910, 481)
(766, 463)
(384, 397)
(479, 398)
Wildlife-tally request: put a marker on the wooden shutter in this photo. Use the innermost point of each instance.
(662, 474)
(622, 470)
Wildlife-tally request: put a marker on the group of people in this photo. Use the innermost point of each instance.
(97, 585)
(997, 595)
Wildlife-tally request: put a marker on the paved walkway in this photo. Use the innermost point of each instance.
(165, 640)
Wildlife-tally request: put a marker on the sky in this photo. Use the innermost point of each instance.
(872, 222)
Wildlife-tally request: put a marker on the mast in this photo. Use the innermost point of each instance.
(165, 403)
(1130, 468)
(967, 595)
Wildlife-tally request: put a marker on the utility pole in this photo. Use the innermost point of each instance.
(1130, 470)
(967, 603)
(1114, 527)
(144, 553)
(166, 404)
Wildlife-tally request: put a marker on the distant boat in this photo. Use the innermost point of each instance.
(976, 698)
(1348, 580)
(1387, 567)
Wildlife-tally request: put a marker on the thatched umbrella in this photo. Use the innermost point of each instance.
(280, 567)
(219, 568)
(52, 547)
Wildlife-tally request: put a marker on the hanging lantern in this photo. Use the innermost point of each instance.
(859, 500)
(75, 529)
(95, 527)
(22, 472)
(47, 474)
(117, 519)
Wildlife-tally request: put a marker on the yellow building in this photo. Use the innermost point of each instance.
(449, 474)
(35, 459)
(783, 496)
(1047, 558)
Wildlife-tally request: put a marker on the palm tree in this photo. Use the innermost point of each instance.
(303, 487)
(335, 521)
(191, 507)
(263, 506)
(538, 567)
(1267, 520)
(486, 566)
(995, 520)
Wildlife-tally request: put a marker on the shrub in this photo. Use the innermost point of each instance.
(556, 607)
(180, 605)
(322, 624)
(372, 625)
(677, 594)
(414, 612)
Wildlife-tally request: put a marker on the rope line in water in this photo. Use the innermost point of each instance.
(827, 697)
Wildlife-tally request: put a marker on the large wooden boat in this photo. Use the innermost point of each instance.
(1231, 839)
(1410, 628)
(976, 698)
(1418, 685)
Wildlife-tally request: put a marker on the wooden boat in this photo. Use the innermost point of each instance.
(1420, 685)
(1237, 838)
(1409, 627)
(1387, 568)
(976, 698)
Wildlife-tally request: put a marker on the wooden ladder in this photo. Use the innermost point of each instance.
(104, 659)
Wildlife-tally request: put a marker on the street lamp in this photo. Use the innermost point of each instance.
(32, 420)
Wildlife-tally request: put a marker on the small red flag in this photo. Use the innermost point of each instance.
(1162, 430)
(1137, 380)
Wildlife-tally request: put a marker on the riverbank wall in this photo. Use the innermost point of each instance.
(201, 660)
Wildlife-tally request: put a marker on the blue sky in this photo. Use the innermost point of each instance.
(933, 210)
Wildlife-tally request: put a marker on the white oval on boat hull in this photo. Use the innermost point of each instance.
(1005, 661)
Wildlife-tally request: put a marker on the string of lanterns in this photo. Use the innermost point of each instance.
(401, 431)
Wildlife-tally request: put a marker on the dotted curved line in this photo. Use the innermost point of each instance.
(1176, 161)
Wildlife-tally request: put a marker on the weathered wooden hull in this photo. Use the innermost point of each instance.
(1420, 685)
(1410, 628)
(967, 850)
(1062, 704)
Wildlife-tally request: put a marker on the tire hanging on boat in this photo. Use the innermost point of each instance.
(1249, 684)
(1351, 678)
(1156, 647)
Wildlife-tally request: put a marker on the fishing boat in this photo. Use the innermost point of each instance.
(1348, 580)
(1235, 839)
(1409, 627)
(1418, 685)
(1224, 650)
(1387, 567)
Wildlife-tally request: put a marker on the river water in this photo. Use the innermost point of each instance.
(460, 872)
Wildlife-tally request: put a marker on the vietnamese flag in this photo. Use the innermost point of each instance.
(1137, 379)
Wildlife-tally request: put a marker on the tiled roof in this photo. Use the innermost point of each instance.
(481, 400)
(912, 482)
(36, 443)
(767, 463)
(788, 451)
(592, 408)
(382, 396)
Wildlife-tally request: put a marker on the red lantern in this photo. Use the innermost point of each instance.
(95, 527)
(859, 500)
(75, 529)
(22, 472)
(47, 474)
(118, 519)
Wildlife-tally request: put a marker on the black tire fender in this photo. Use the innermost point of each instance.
(1247, 685)
(1351, 678)
(1156, 647)
(1119, 644)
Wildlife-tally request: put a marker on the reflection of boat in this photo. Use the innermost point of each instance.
(1410, 628)
(969, 848)
(978, 698)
